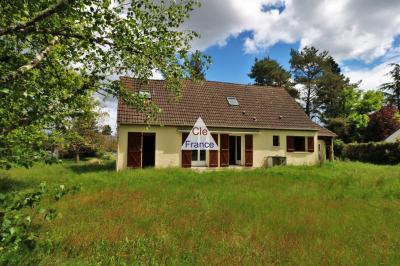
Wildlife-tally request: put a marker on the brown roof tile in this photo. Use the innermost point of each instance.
(324, 132)
(260, 107)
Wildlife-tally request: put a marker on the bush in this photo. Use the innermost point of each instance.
(338, 147)
(17, 233)
(373, 152)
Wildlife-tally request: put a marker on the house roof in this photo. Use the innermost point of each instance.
(324, 132)
(259, 107)
(394, 137)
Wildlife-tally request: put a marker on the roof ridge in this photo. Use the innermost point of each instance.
(214, 81)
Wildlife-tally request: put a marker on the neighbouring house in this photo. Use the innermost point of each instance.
(254, 126)
(394, 137)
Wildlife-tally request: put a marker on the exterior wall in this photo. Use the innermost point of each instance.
(168, 145)
(169, 142)
(322, 150)
(263, 148)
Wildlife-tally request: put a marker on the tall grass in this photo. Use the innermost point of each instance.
(340, 213)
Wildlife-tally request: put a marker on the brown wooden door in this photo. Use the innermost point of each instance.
(224, 150)
(186, 154)
(248, 152)
(134, 149)
(310, 144)
(214, 153)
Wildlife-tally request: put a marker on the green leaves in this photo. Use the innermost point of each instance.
(16, 230)
(98, 39)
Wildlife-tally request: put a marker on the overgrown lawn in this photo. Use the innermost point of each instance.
(342, 213)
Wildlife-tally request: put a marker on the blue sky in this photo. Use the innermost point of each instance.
(232, 64)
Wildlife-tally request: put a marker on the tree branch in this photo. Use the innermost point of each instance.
(32, 64)
(39, 16)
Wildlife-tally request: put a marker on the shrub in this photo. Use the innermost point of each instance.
(338, 147)
(373, 152)
(17, 233)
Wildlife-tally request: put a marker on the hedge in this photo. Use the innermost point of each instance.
(373, 152)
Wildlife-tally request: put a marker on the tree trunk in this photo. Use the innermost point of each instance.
(398, 99)
(77, 158)
(308, 101)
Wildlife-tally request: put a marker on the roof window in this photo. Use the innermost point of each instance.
(232, 101)
(146, 94)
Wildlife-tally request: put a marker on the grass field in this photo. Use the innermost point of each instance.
(341, 213)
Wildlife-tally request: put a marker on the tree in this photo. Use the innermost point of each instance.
(392, 89)
(351, 121)
(268, 72)
(308, 67)
(83, 131)
(382, 123)
(106, 130)
(197, 64)
(55, 53)
(331, 91)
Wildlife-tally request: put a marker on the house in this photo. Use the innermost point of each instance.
(394, 137)
(253, 126)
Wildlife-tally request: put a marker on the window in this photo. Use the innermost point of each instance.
(299, 144)
(232, 101)
(146, 94)
(275, 141)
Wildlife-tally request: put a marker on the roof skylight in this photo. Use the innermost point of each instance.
(232, 101)
(146, 94)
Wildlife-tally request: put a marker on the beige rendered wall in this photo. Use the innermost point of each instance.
(168, 146)
(322, 150)
(263, 148)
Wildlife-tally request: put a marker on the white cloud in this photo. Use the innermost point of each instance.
(348, 29)
(372, 78)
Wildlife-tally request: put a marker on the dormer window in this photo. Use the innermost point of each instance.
(232, 101)
(146, 94)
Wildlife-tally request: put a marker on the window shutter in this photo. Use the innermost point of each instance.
(224, 150)
(310, 144)
(290, 143)
(248, 150)
(134, 159)
(186, 154)
(214, 153)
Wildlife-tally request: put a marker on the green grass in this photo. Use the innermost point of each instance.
(342, 213)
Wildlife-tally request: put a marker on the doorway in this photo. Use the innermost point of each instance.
(149, 150)
(235, 150)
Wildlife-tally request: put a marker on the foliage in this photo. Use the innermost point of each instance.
(33, 108)
(178, 216)
(17, 232)
(352, 120)
(373, 152)
(55, 53)
(392, 89)
(83, 131)
(268, 72)
(197, 64)
(338, 145)
(382, 124)
(106, 130)
(308, 67)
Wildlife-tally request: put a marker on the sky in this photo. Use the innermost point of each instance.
(362, 35)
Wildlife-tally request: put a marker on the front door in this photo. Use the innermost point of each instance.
(149, 150)
(235, 148)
